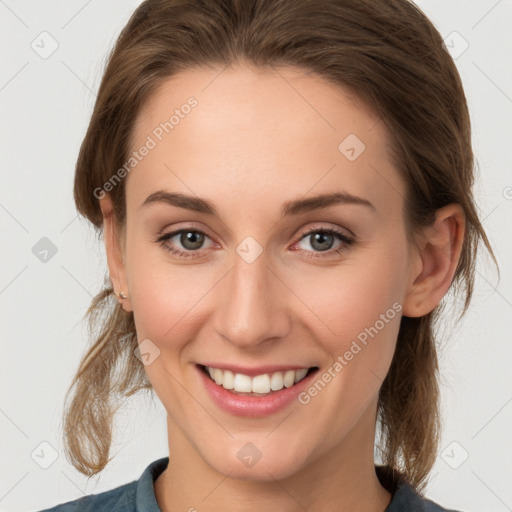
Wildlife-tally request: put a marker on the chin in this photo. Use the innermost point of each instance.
(248, 463)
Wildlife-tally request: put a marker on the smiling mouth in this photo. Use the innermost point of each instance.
(259, 385)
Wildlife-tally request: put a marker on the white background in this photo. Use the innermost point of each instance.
(45, 109)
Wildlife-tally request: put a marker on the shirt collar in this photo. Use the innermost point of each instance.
(404, 496)
(145, 499)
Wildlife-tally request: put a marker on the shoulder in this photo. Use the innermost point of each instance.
(431, 506)
(131, 497)
(121, 498)
(405, 498)
(408, 499)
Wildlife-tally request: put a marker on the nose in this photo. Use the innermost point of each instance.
(252, 305)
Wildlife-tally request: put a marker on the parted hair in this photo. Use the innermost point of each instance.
(388, 54)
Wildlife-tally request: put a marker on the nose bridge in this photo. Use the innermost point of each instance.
(251, 308)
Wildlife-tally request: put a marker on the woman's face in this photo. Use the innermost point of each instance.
(250, 289)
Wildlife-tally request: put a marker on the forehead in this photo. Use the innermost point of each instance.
(261, 133)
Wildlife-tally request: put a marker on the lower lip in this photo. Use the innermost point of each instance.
(246, 405)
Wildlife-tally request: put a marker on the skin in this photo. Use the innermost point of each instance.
(259, 138)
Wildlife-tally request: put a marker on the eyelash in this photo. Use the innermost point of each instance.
(347, 241)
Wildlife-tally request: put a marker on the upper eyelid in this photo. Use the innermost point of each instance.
(338, 230)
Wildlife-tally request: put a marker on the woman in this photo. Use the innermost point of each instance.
(284, 190)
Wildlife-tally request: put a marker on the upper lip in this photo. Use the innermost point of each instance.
(255, 370)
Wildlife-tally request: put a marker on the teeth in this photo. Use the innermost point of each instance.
(261, 384)
(241, 383)
(218, 376)
(300, 374)
(289, 378)
(276, 381)
(228, 381)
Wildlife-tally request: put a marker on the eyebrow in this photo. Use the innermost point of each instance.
(294, 207)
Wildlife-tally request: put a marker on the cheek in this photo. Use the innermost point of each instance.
(165, 297)
(357, 308)
(351, 297)
(360, 323)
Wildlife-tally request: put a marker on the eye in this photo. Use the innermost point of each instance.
(321, 241)
(190, 239)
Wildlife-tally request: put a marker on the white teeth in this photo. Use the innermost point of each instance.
(218, 376)
(261, 384)
(229, 380)
(276, 381)
(241, 383)
(289, 378)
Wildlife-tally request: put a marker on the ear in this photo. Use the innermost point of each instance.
(114, 247)
(435, 261)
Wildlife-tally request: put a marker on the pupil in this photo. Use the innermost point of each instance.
(191, 240)
(321, 237)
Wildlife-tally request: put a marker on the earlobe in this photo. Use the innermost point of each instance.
(113, 250)
(437, 257)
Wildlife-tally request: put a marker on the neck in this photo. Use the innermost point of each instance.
(342, 479)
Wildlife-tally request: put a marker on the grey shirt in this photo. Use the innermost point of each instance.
(139, 495)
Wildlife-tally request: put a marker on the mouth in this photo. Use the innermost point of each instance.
(262, 385)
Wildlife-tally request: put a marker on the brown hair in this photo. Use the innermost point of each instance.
(389, 55)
